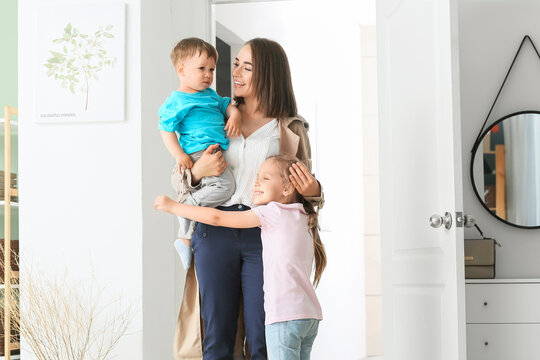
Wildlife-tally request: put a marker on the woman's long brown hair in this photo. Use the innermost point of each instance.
(285, 162)
(271, 79)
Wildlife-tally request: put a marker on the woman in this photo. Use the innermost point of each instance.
(228, 261)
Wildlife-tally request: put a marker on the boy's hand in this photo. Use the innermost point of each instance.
(164, 203)
(234, 125)
(184, 162)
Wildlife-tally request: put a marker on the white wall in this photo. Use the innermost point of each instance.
(490, 33)
(372, 228)
(80, 184)
(87, 189)
(160, 276)
(322, 42)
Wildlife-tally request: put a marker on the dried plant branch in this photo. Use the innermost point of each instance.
(61, 319)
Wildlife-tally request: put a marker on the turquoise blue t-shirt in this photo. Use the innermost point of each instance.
(197, 118)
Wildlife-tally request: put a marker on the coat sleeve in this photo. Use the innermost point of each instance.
(304, 154)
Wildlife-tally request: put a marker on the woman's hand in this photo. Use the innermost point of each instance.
(303, 181)
(209, 164)
(164, 203)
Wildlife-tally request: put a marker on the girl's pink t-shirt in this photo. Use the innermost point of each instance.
(288, 263)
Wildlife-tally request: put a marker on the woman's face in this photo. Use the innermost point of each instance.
(242, 72)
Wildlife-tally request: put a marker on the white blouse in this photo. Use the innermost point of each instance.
(244, 157)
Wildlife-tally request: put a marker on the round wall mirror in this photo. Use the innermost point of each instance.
(505, 169)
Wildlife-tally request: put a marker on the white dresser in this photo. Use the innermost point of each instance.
(503, 319)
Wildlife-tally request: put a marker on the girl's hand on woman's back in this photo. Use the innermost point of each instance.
(209, 164)
(304, 181)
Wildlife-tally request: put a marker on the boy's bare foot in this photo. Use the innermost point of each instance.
(186, 241)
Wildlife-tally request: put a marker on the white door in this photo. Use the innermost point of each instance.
(423, 273)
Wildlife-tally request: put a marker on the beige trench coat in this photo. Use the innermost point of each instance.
(293, 139)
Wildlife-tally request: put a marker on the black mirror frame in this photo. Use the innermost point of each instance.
(473, 154)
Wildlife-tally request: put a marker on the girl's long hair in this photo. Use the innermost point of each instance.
(285, 162)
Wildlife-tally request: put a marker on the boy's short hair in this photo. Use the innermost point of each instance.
(189, 47)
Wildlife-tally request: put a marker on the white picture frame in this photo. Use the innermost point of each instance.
(81, 67)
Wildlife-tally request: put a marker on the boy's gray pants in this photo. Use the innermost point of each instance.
(212, 191)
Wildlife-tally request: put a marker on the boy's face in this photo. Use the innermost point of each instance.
(196, 73)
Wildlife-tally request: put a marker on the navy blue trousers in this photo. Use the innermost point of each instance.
(229, 265)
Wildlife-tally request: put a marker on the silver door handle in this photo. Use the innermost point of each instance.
(470, 221)
(437, 220)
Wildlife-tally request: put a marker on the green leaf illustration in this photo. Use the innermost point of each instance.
(83, 56)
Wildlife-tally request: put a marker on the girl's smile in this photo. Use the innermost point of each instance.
(270, 185)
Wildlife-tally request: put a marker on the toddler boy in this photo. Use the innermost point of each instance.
(197, 114)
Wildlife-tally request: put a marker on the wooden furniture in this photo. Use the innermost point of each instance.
(500, 181)
(9, 275)
(503, 319)
(499, 205)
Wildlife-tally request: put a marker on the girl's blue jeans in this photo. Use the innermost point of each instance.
(291, 340)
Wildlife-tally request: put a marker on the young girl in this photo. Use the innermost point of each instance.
(291, 241)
